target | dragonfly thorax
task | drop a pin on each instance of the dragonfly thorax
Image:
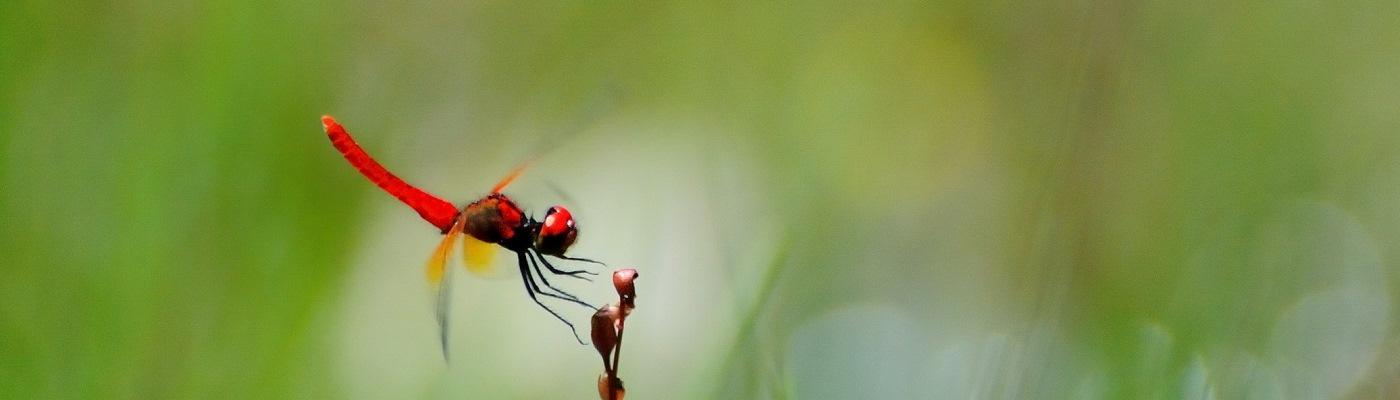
(495, 219)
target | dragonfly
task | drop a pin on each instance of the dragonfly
(491, 221)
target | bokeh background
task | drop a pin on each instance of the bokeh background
(1137, 199)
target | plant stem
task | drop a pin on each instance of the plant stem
(613, 385)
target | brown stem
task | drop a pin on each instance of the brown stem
(613, 382)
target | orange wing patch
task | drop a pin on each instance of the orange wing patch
(479, 257)
(514, 173)
(437, 264)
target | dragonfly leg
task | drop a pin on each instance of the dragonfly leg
(573, 273)
(583, 260)
(546, 284)
(532, 289)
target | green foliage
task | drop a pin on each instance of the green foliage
(1143, 199)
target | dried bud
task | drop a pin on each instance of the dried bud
(603, 386)
(614, 385)
(605, 333)
(622, 281)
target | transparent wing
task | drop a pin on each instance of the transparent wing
(439, 282)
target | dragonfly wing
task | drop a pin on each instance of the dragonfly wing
(478, 257)
(510, 177)
(441, 284)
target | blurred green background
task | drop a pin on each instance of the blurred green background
(1140, 199)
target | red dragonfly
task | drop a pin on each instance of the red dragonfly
(494, 219)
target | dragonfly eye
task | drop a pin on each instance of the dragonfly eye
(557, 232)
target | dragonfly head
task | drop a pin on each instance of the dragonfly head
(557, 232)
